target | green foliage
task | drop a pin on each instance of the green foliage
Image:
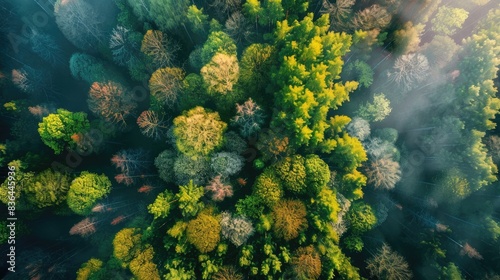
(164, 162)
(267, 187)
(204, 232)
(324, 209)
(198, 132)
(453, 187)
(377, 110)
(361, 217)
(198, 21)
(440, 51)
(450, 272)
(193, 93)
(126, 245)
(289, 218)
(169, 14)
(48, 188)
(85, 190)
(306, 78)
(160, 208)
(189, 199)
(317, 173)
(292, 172)
(359, 71)
(255, 65)
(217, 42)
(187, 169)
(251, 206)
(448, 20)
(90, 69)
(57, 129)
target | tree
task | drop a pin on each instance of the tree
(339, 12)
(306, 263)
(273, 144)
(221, 74)
(268, 188)
(450, 272)
(152, 125)
(186, 169)
(249, 117)
(387, 264)
(453, 187)
(143, 267)
(131, 161)
(493, 145)
(359, 128)
(317, 174)
(251, 206)
(376, 111)
(126, 245)
(409, 70)
(204, 232)
(85, 190)
(48, 188)
(80, 23)
(236, 229)
(307, 79)
(227, 272)
(32, 81)
(84, 228)
(198, 132)
(289, 218)
(383, 173)
(189, 199)
(239, 28)
(226, 164)
(219, 189)
(448, 20)
(169, 14)
(198, 21)
(217, 42)
(164, 162)
(359, 71)
(141, 8)
(159, 48)
(406, 40)
(373, 17)
(234, 143)
(46, 47)
(122, 46)
(361, 217)
(111, 102)
(255, 66)
(440, 51)
(160, 208)
(91, 69)
(166, 84)
(56, 129)
(88, 269)
(292, 172)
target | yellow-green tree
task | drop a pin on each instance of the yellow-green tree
(143, 267)
(204, 232)
(126, 244)
(85, 190)
(88, 269)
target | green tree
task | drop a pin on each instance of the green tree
(217, 42)
(450, 272)
(198, 21)
(292, 172)
(198, 132)
(169, 14)
(204, 232)
(268, 187)
(359, 71)
(255, 66)
(89, 269)
(448, 20)
(48, 188)
(164, 162)
(160, 208)
(307, 78)
(289, 217)
(377, 110)
(91, 69)
(85, 190)
(189, 199)
(317, 174)
(221, 74)
(186, 169)
(361, 217)
(440, 51)
(57, 129)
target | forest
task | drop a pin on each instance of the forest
(249, 139)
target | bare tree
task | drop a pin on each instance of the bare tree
(470, 251)
(387, 264)
(122, 48)
(84, 228)
(383, 173)
(409, 70)
(249, 117)
(31, 81)
(79, 22)
(111, 102)
(166, 84)
(239, 28)
(373, 17)
(46, 47)
(152, 125)
(159, 47)
(339, 12)
(226, 7)
(131, 161)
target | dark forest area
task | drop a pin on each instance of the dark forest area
(249, 139)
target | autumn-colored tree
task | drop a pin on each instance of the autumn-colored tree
(111, 101)
(198, 132)
(48, 188)
(85, 190)
(289, 218)
(221, 73)
(88, 269)
(273, 144)
(406, 40)
(383, 173)
(228, 273)
(84, 228)
(165, 85)
(204, 232)
(56, 129)
(339, 11)
(268, 187)
(159, 48)
(219, 189)
(373, 17)
(387, 264)
(126, 245)
(249, 118)
(143, 267)
(152, 125)
(236, 229)
(306, 263)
